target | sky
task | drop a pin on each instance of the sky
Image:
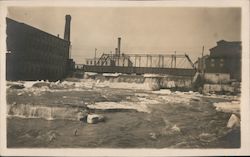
(159, 30)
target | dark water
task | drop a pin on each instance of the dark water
(198, 126)
(172, 123)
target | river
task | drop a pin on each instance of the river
(170, 120)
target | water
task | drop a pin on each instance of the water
(121, 130)
(53, 122)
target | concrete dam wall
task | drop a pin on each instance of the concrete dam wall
(153, 82)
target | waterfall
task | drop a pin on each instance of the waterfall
(45, 112)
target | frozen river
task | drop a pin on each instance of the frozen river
(47, 117)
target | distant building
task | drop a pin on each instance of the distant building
(110, 60)
(117, 59)
(225, 58)
(33, 54)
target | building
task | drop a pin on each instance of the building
(110, 60)
(117, 59)
(33, 54)
(224, 59)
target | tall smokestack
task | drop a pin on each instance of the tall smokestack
(119, 46)
(116, 51)
(67, 28)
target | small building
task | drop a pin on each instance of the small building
(110, 60)
(33, 54)
(224, 59)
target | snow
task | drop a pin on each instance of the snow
(162, 91)
(90, 73)
(228, 107)
(123, 85)
(29, 84)
(151, 75)
(111, 74)
(148, 101)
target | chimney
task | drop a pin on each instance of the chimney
(67, 28)
(116, 51)
(119, 46)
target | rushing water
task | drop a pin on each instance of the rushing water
(126, 130)
(174, 121)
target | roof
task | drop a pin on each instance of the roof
(23, 24)
(226, 48)
(224, 42)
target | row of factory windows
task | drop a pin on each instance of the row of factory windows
(221, 62)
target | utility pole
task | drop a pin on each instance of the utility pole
(202, 60)
(95, 56)
(174, 59)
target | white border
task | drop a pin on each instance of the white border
(245, 107)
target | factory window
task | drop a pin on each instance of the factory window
(90, 62)
(87, 62)
(221, 64)
(212, 65)
(221, 60)
(212, 60)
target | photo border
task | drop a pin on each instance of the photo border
(245, 107)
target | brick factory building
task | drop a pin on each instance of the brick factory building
(33, 54)
(225, 58)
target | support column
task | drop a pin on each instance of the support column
(147, 61)
(159, 61)
(139, 61)
(162, 61)
(172, 61)
(151, 61)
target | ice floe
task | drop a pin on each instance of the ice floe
(140, 107)
(229, 107)
(162, 91)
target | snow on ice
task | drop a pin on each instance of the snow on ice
(229, 107)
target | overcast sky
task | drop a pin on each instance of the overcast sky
(142, 29)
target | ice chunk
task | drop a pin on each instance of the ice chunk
(176, 129)
(94, 118)
(233, 121)
(151, 75)
(111, 74)
(162, 91)
(140, 106)
(229, 107)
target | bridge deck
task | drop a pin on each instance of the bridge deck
(138, 70)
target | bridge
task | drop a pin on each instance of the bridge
(170, 64)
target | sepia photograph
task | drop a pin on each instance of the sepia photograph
(124, 77)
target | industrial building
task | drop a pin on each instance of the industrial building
(33, 54)
(225, 58)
